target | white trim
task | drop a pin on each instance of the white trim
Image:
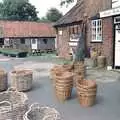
(72, 44)
(96, 30)
(111, 12)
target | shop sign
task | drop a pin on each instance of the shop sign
(111, 12)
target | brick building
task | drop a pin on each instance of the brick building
(102, 29)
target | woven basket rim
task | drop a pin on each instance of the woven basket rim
(87, 83)
(37, 106)
(23, 101)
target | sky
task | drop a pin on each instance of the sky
(44, 5)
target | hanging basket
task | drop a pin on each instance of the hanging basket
(86, 90)
(13, 105)
(36, 112)
(22, 79)
(3, 80)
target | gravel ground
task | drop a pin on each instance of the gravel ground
(108, 97)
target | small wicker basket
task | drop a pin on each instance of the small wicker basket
(36, 112)
(22, 79)
(13, 105)
(3, 80)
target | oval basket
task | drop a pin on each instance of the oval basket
(22, 79)
(13, 105)
(36, 112)
(3, 80)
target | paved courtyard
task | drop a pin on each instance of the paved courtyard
(107, 105)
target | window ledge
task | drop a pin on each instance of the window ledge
(96, 41)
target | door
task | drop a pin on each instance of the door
(117, 45)
(34, 44)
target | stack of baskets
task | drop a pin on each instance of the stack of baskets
(3, 80)
(22, 79)
(62, 78)
(79, 72)
(86, 90)
(36, 112)
(63, 85)
(13, 105)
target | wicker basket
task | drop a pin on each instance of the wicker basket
(63, 85)
(3, 80)
(13, 105)
(36, 112)
(79, 68)
(86, 91)
(22, 79)
(101, 61)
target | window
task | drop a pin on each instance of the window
(33, 41)
(22, 40)
(97, 30)
(45, 41)
(60, 32)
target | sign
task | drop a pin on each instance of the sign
(115, 3)
(111, 12)
(74, 37)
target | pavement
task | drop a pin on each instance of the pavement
(107, 106)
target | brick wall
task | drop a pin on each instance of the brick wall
(62, 42)
(106, 46)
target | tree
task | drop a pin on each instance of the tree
(53, 15)
(63, 2)
(17, 10)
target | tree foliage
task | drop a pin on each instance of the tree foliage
(17, 10)
(53, 15)
(63, 2)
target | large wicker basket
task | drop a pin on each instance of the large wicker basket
(3, 80)
(13, 105)
(22, 79)
(36, 112)
(86, 91)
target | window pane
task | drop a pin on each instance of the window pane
(97, 30)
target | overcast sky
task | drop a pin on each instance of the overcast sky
(43, 6)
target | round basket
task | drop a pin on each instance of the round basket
(101, 61)
(22, 79)
(63, 85)
(36, 112)
(13, 105)
(86, 90)
(3, 80)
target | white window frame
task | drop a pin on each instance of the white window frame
(96, 30)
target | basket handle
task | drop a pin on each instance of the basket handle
(12, 89)
(3, 102)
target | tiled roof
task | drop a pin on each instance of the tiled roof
(84, 7)
(74, 15)
(26, 29)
